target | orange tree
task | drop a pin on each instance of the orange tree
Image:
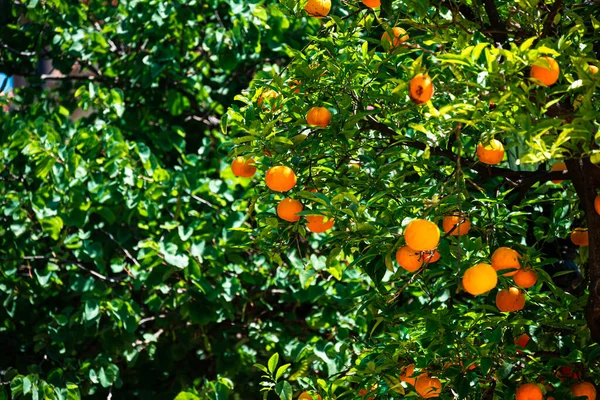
(462, 120)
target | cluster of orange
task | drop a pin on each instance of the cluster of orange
(533, 391)
(282, 179)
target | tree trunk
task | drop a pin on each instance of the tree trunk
(586, 178)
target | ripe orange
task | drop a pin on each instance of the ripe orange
(316, 223)
(318, 116)
(428, 387)
(450, 221)
(545, 70)
(593, 69)
(490, 153)
(310, 396)
(506, 258)
(280, 178)
(318, 8)
(420, 89)
(242, 167)
(364, 392)
(597, 204)
(510, 300)
(522, 340)
(407, 375)
(431, 257)
(584, 389)
(580, 237)
(288, 208)
(525, 278)
(422, 235)
(400, 36)
(529, 391)
(409, 259)
(479, 279)
(372, 3)
(560, 166)
(268, 95)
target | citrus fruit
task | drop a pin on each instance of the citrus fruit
(318, 8)
(288, 208)
(280, 178)
(268, 95)
(597, 204)
(560, 166)
(506, 258)
(428, 387)
(522, 340)
(372, 3)
(525, 278)
(490, 152)
(407, 375)
(431, 257)
(243, 168)
(567, 372)
(317, 223)
(422, 235)
(545, 70)
(318, 116)
(309, 396)
(508, 300)
(593, 69)
(584, 389)
(420, 89)
(580, 237)
(409, 259)
(400, 36)
(451, 221)
(479, 279)
(529, 391)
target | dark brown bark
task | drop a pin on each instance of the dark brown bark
(586, 178)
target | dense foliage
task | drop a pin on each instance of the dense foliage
(385, 160)
(125, 268)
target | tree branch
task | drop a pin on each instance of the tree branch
(550, 18)
(498, 28)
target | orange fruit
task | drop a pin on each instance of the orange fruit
(529, 391)
(372, 3)
(597, 204)
(406, 376)
(268, 95)
(318, 116)
(450, 221)
(522, 340)
(560, 166)
(288, 208)
(506, 258)
(422, 235)
(584, 389)
(318, 8)
(566, 372)
(593, 69)
(400, 36)
(510, 300)
(420, 89)
(580, 237)
(428, 387)
(525, 278)
(280, 178)
(317, 224)
(409, 259)
(243, 168)
(364, 392)
(490, 153)
(545, 70)
(479, 279)
(431, 257)
(310, 396)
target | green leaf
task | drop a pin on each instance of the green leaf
(273, 363)
(284, 390)
(281, 370)
(186, 396)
